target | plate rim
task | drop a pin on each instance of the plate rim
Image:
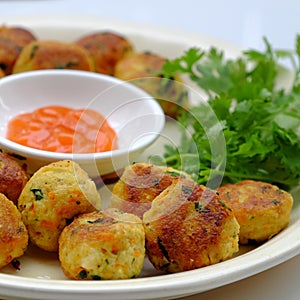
(169, 285)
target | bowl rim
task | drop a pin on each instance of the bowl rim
(26, 151)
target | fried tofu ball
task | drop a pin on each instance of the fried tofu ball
(12, 41)
(39, 55)
(105, 244)
(262, 209)
(105, 49)
(139, 184)
(143, 69)
(13, 233)
(52, 197)
(12, 177)
(188, 227)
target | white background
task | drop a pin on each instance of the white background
(242, 23)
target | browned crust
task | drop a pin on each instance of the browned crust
(262, 209)
(40, 55)
(191, 235)
(13, 233)
(106, 49)
(140, 184)
(12, 177)
(12, 41)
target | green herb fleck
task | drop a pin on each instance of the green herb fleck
(162, 248)
(33, 51)
(186, 190)
(82, 274)
(68, 65)
(224, 205)
(280, 192)
(198, 206)
(155, 181)
(264, 189)
(37, 193)
(99, 220)
(20, 230)
(228, 196)
(276, 202)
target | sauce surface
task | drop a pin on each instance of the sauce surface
(63, 129)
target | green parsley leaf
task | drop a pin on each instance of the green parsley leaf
(248, 129)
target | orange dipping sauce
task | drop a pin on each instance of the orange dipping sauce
(62, 129)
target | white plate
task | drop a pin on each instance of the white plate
(40, 276)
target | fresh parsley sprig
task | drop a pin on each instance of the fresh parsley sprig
(248, 129)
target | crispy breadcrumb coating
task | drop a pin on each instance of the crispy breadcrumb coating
(52, 197)
(188, 227)
(262, 209)
(105, 244)
(139, 184)
(13, 233)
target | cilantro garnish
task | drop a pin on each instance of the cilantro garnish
(248, 128)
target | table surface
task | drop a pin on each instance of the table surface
(242, 23)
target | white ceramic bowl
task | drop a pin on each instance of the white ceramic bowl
(136, 117)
